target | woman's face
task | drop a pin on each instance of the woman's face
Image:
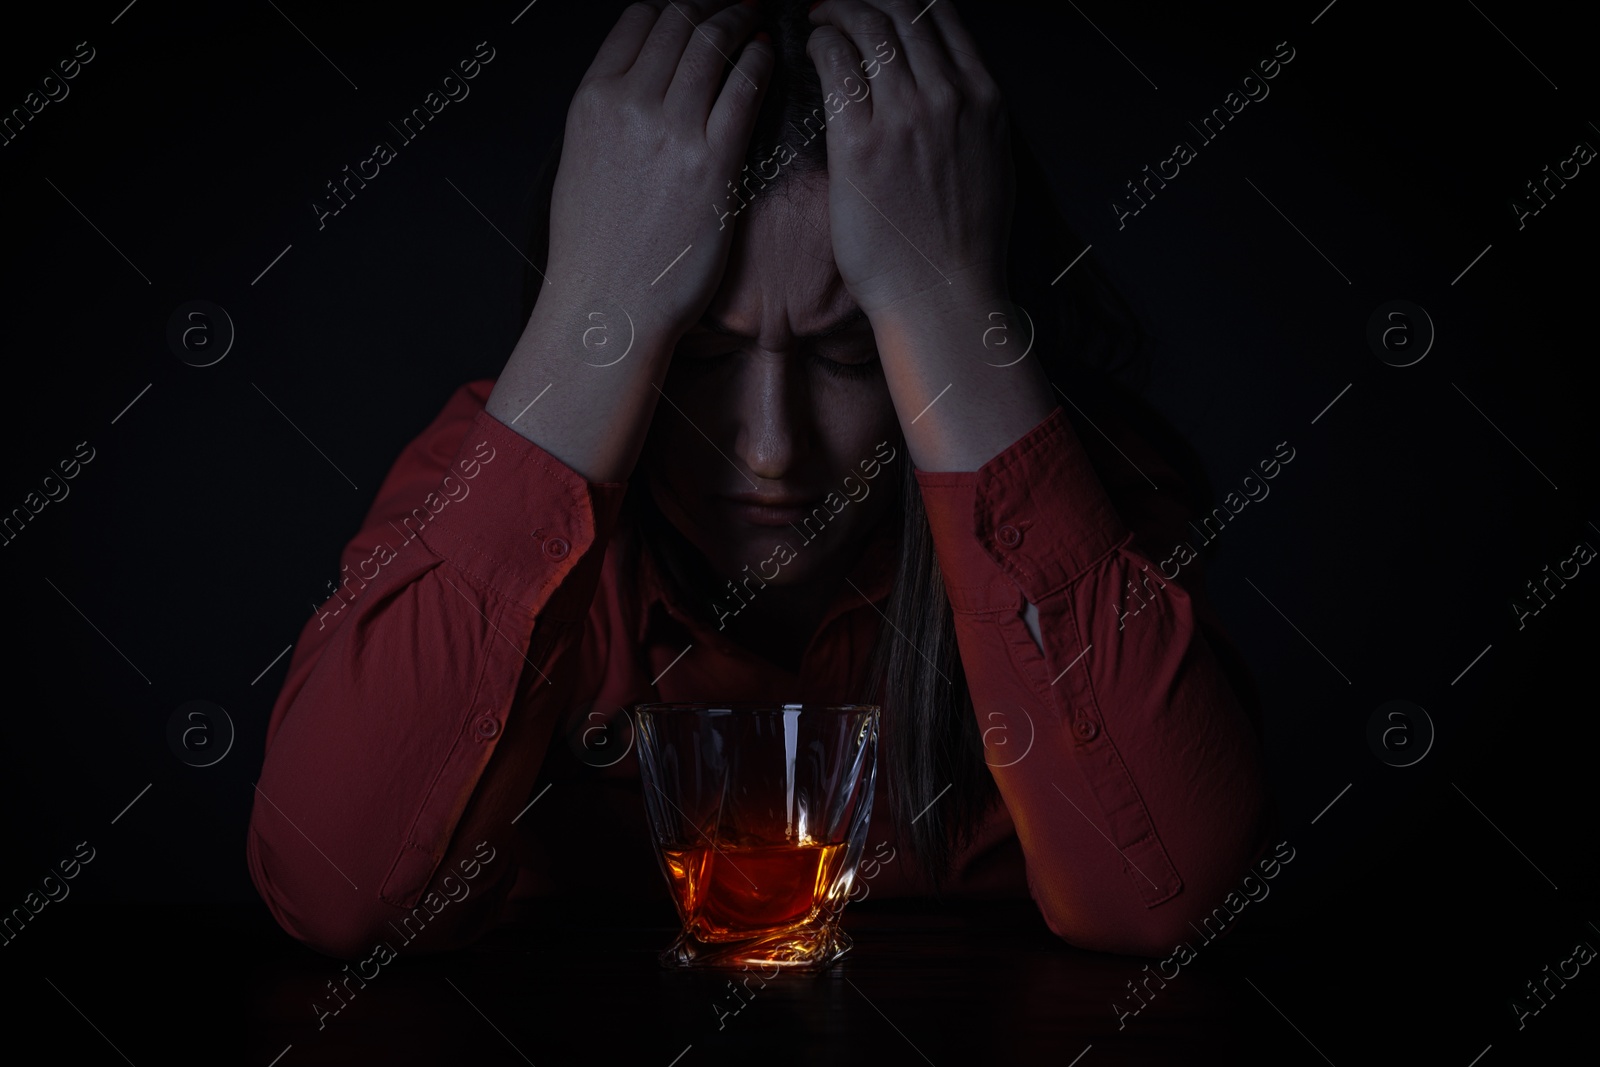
(776, 399)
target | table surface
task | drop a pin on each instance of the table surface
(974, 983)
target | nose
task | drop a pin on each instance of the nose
(772, 416)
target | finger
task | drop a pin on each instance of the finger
(715, 44)
(658, 59)
(959, 44)
(846, 99)
(925, 54)
(733, 119)
(621, 47)
(871, 32)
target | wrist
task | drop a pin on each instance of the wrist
(950, 313)
(597, 325)
(967, 298)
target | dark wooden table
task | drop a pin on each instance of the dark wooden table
(943, 985)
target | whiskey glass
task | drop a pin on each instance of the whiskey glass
(759, 815)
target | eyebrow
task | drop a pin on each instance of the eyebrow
(850, 320)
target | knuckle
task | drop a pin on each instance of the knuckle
(714, 37)
(742, 88)
(586, 102)
(700, 171)
(822, 38)
(876, 24)
(641, 125)
(836, 53)
(629, 111)
(854, 141)
(939, 97)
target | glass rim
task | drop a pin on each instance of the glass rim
(751, 705)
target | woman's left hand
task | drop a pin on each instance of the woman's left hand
(919, 159)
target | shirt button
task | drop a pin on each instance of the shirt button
(556, 548)
(487, 728)
(1010, 536)
(1085, 729)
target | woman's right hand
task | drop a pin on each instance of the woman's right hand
(653, 136)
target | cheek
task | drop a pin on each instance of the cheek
(667, 461)
(705, 393)
(850, 430)
(851, 417)
(875, 421)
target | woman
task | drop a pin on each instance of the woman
(786, 448)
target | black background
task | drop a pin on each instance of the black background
(199, 537)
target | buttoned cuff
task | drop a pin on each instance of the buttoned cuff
(524, 522)
(1034, 518)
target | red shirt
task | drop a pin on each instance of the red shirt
(482, 623)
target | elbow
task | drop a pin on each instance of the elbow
(1110, 919)
(1154, 935)
(1121, 924)
(343, 938)
(326, 913)
(1190, 919)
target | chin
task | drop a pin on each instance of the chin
(774, 558)
(778, 555)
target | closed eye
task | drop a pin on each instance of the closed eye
(857, 370)
(849, 354)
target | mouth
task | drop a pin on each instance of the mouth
(761, 510)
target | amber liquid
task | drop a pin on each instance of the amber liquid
(732, 892)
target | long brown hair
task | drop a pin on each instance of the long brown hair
(932, 732)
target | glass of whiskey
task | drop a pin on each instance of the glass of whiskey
(759, 815)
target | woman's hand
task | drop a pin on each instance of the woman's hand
(919, 162)
(920, 190)
(652, 138)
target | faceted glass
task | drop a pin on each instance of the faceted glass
(759, 815)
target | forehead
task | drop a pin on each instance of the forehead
(780, 281)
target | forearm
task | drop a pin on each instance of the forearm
(951, 360)
(582, 381)
(996, 391)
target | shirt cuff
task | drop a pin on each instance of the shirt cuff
(520, 521)
(1034, 518)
